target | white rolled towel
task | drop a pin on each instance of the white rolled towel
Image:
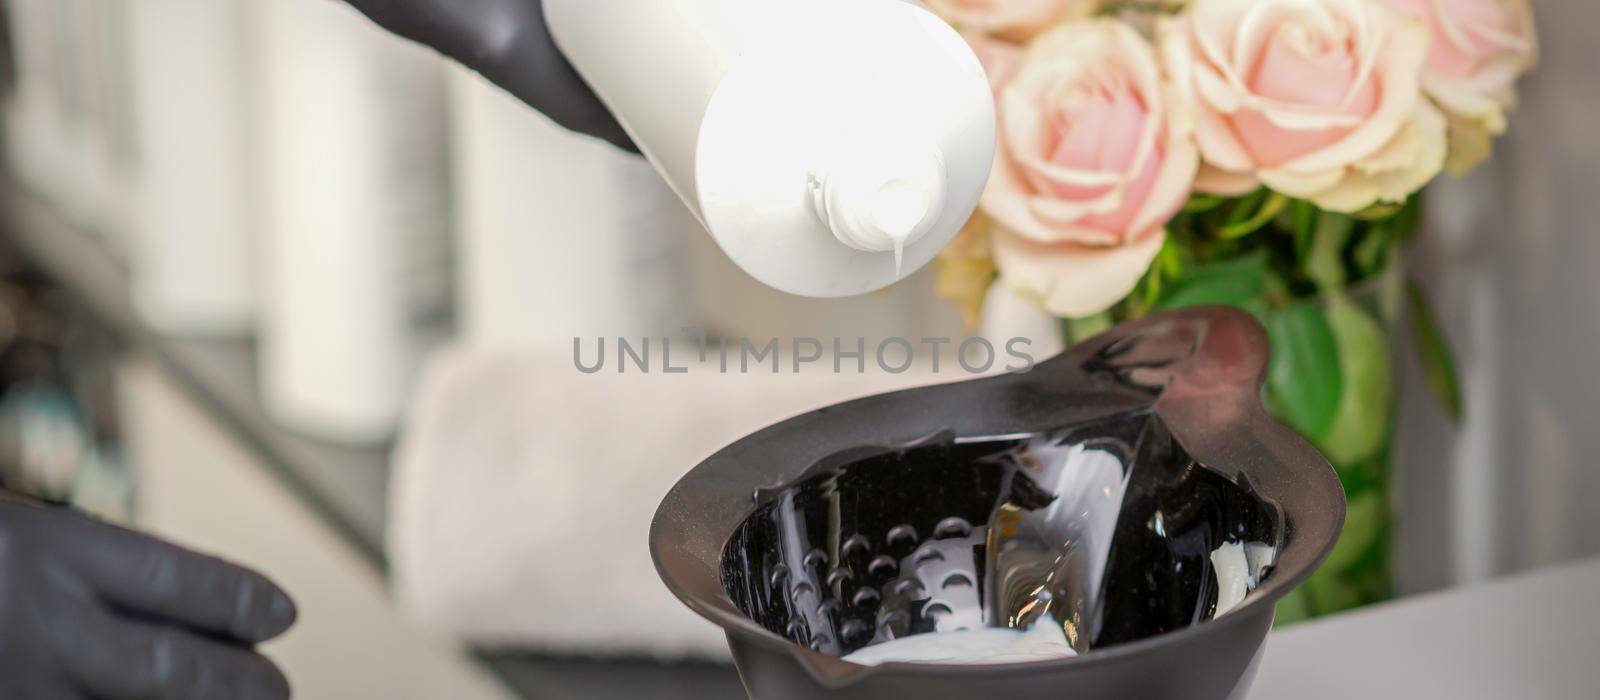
(194, 245)
(354, 215)
(545, 216)
(523, 490)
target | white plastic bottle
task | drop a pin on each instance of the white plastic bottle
(561, 236)
(194, 259)
(108, 209)
(36, 140)
(829, 146)
(80, 87)
(353, 167)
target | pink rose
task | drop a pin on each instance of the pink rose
(1094, 159)
(1480, 48)
(1013, 20)
(1318, 99)
(1000, 60)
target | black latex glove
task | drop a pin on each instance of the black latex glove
(507, 41)
(89, 610)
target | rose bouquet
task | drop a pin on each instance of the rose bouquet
(1264, 154)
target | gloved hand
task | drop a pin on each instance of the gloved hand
(89, 610)
(507, 41)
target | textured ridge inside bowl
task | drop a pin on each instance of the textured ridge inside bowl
(1108, 526)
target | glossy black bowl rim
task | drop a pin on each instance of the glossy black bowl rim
(1210, 399)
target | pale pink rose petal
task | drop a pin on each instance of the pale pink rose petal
(1010, 199)
(1468, 103)
(1305, 96)
(1413, 157)
(1213, 41)
(1425, 141)
(1218, 144)
(1139, 190)
(1099, 131)
(1300, 69)
(1305, 185)
(1013, 20)
(1092, 163)
(1000, 59)
(1223, 96)
(1222, 183)
(1173, 186)
(1271, 145)
(1056, 211)
(1072, 280)
(1479, 50)
(1121, 145)
(1466, 33)
(1079, 152)
(1401, 76)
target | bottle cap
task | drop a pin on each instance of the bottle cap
(834, 169)
(883, 197)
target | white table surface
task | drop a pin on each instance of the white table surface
(1535, 636)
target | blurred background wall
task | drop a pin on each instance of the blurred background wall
(1512, 256)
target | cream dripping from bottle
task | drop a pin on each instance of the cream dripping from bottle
(829, 146)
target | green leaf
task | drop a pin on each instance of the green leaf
(1363, 523)
(1275, 286)
(1325, 263)
(1292, 608)
(1151, 289)
(1214, 291)
(1379, 211)
(1244, 207)
(1080, 329)
(1389, 286)
(1345, 580)
(1234, 282)
(1433, 349)
(1303, 379)
(1409, 218)
(1361, 424)
(1330, 593)
(1267, 212)
(1370, 252)
(1202, 203)
(1170, 259)
(1303, 214)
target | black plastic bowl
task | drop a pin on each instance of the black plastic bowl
(753, 538)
